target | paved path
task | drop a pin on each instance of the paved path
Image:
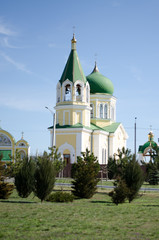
(105, 186)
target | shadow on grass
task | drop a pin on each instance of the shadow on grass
(10, 201)
(151, 205)
(106, 202)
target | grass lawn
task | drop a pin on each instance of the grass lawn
(95, 218)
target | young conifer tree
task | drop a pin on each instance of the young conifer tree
(24, 178)
(119, 194)
(133, 177)
(129, 183)
(45, 174)
(153, 176)
(85, 175)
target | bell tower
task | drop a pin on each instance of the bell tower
(73, 93)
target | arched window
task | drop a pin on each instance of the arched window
(22, 155)
(92, 110)
(78, 90)
(105, 111)
(87, 94)
(105, 156)
(67, 93)
(101, 110)
(21, 144)
(102, 155)
(4, 140)
(112, 112)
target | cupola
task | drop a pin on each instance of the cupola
(99, 83)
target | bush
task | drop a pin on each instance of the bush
(133, 177)
(60, 197)
(5, 188)
(44, 177)
(84, 173)
(153, 177)
(24, 178)
(120, 192)
(129, 183)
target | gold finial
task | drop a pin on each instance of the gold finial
(73, 41)
(150, 136)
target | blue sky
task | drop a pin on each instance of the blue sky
(35, 42)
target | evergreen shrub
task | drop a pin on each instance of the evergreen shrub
(153, 177)
(133, 177)
(85, 175)
(24, 178)
(6, 188)
(60, 196)
(120, 192)
(44, 177)
(128, 183)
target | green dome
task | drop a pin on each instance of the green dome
(151, 144)
(99, 83)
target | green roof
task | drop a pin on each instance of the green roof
(111, 128)
(99, 83)
(78, 125)
(73, 70)
(146, 145)
(95, 127)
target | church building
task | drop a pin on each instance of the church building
(86, 113)
(148, 150)
(8, 146)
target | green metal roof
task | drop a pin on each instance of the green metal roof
(73, 70)
(111, 128)
(78, 125)
(146, 145)
(95, 127)
(99, 83)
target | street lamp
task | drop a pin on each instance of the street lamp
(135, 138)
(54, 123)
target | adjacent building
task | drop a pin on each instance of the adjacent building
(8, 146)
(149, 149)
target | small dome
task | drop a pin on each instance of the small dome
(148, 144)
(99, 83)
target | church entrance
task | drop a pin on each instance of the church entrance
(67, 168)
(66, 158)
